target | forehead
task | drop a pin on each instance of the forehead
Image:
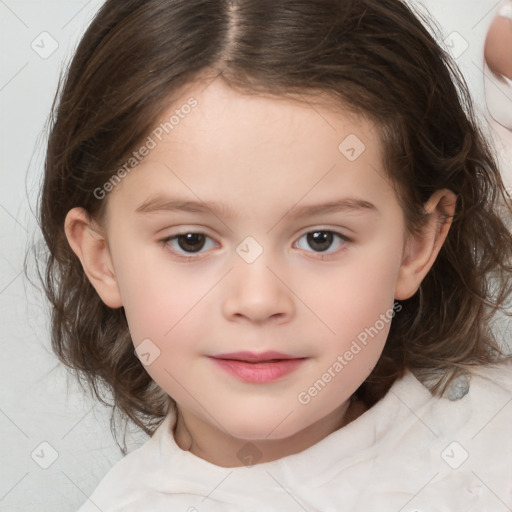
(253, 149)
(226, 116)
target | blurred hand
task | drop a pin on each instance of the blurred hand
(498, 67)
(498, 43)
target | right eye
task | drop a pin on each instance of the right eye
(188, 243)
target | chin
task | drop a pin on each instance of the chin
(262, 428)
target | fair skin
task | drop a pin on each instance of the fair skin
(264, 159)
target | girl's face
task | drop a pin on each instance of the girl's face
(257, 225)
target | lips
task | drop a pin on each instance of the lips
(252, 357)
(258, 368)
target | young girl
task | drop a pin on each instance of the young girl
(278, 236)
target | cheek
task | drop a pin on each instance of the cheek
(156, 294)
(165, 325)
(156, 307)
(353, 297)
(357, 305)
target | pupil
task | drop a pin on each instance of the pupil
(320, 240)
(191, 242)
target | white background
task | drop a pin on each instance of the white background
(38, 403)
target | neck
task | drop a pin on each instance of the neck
(217, 447)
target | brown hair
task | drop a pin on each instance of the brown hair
(374, 57)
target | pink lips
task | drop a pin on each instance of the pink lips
(258, 368)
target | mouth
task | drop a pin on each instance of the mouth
(258, 368)
(253, 357)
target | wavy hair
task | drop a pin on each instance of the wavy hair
(376, 58)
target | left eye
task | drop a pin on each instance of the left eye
(190, 243)
(321, 240)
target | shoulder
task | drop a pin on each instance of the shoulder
(494, 378)
(459, 452)
(128, 479)
(475, 452)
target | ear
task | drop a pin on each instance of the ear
(421, 249)
(90, 245)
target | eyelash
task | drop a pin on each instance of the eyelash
(323, 255)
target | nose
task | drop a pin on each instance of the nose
(256, 293)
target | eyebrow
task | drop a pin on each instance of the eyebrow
(167, 204)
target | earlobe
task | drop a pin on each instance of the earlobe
(421, 249)
(90, 246)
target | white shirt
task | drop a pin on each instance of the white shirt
(410, 452)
